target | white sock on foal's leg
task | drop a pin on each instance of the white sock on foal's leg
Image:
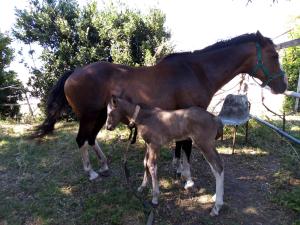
(218, 197)
(145, 179)
(144, 183)
(86, 162)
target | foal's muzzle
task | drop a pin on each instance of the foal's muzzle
(109, 127)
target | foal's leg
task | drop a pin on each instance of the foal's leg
(146, 173)
(152, 166)
(216, 165)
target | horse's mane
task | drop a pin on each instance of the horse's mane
(245, 38)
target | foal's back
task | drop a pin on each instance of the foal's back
(164, 126)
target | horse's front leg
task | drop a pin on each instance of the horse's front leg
(86, 162)
(186, 172)
(102, 158)
(152, 166)
(146, 172)
(183, 167)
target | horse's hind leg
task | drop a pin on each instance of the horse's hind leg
(99, 122)
(83, 146)
(86, 162)
(102, 158)
(216, 165)
(88, 130)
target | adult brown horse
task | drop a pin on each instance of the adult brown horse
(179, 80)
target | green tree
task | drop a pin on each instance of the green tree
(72, 37)
(291, 65)
(10, 91)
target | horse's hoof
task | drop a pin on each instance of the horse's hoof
(104, 173)
(93, 175)
(189, 184)
(154, 204)
(140, 189)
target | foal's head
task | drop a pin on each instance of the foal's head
(115, 113)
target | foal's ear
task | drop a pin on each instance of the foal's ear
(114, 100)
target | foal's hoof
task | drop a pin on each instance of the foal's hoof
(104, 173)
(215, 210)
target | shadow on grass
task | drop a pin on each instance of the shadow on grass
(44, 183)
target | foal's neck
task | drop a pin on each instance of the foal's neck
(129, 110)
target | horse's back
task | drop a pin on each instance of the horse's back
(87, 89)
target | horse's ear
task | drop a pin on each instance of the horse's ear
(260, 38)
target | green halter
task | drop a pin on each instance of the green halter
(265, 70)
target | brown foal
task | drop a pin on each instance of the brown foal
(158, 127)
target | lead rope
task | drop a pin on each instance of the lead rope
(150, 216)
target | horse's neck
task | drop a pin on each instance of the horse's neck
(221, 66)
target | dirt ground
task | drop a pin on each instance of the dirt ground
(248, 177)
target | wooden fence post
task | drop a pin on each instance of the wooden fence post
(298, 90)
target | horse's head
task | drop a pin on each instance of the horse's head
(114, 113)
(266, 65)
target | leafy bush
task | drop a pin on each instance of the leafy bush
(291, 65)
(72, 37)
(10, 91)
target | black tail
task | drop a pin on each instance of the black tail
(56, 104)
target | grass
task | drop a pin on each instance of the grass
(42, 182)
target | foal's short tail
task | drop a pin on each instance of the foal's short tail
(56, 104)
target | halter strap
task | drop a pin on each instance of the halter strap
(260, 65)
(135, 114)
